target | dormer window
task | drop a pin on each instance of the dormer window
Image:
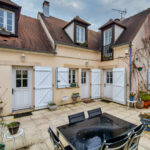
(108, 37)
(80, 34)
(7, 20)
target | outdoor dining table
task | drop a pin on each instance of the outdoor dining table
(93, 131)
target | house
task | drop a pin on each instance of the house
(47, 59)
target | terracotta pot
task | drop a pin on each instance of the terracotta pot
(14, 130)
(140, 104)
(146, 104)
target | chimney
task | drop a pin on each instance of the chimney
(46, 8)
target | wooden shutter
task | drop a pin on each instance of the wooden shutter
(43, 87)
(119, 85)
(62, 77)
(95, 83)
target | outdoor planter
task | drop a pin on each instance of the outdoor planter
(146, 104)
(73, 85)
(145, 119)
(52, 106)
(140, 104)
(75, 96)
(140, 69)
(13, 127)
(132, 96)
(2, 146)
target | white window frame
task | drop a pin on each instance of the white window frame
(107, 36)
(5, 20)
(80, 34)
(71, 76)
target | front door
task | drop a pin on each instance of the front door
(85, 84)
(21, 88)
(108, 84)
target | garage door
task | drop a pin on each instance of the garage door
(43, 87)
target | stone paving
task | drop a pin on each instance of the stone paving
(35, 126)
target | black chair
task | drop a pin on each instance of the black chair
(56, 142)
(136, 135)
(94, 113)
(117, 143)
(76, 118)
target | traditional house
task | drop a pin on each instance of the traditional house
(47, 59)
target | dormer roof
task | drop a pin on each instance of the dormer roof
(78, 19)
(110, 22)
(9, 2)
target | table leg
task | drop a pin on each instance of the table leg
(14, 143)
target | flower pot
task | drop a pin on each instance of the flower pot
(2, 146)
(13, 127)
(75, 97)
(140, 104)
(73, 85)
(131, 98)
(52, 107)
(146, 104)
(140, 69)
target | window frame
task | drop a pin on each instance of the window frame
(108, 37)
(71, 76)
(80, 34)
(5, 20)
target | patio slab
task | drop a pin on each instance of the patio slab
(36, 126)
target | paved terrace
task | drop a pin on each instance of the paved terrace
(35, 126)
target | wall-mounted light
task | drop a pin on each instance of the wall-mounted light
(86, 63)
(22, 57)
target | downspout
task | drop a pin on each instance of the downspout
(130, 68)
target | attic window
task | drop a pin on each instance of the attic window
(107, 37)
(80, 34)
(7, 20)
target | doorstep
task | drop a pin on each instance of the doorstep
(22, 111)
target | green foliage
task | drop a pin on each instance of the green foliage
(51, 104)
(132, 94)
(13, 124)
(75, 93)
(1, 102)
(145, 96)
(85, 44)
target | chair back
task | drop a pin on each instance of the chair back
(136, 135)
(94, 113)
(55, 140)
(116, 143)
(76, 118)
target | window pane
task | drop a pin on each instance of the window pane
(18, 83)
(24, 74)
(111, 81)
(1, 13)
(25, 83)
(1, 25)
(18, 74)
(9, 15)
(9, 28)
(9, 22)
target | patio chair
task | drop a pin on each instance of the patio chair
(94, 113)
(76, 118)
(136, 135)
(56, 142)
(117, 143)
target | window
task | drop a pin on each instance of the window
(21, 78)
(80, 34)
(107, 37)
(7, 20)
(72, 76)
(83, 78)
(109, 77)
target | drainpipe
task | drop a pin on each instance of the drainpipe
(130, 65)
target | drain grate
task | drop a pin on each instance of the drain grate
(22, 115)
(106, 101)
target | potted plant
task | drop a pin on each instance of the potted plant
(2, 146)
(75, 96)
(85, 44)
(140, 104)
(145, 96)
(73, 85)
(52, 106)
(132, 96)
(13, 127)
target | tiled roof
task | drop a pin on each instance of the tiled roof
(55, 27)
(31, 37)
(9, 2)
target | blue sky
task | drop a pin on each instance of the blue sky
(96, 12)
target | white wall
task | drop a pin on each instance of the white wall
(70, 31)
(118, 31)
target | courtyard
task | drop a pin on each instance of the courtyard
(35, 126)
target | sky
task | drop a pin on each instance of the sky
(96, 12)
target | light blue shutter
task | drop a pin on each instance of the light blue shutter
(148, 79)
(119, 85)
(62, 77)
(95, 83)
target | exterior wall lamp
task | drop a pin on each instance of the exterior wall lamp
(22, 57)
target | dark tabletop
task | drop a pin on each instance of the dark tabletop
(103, 127)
